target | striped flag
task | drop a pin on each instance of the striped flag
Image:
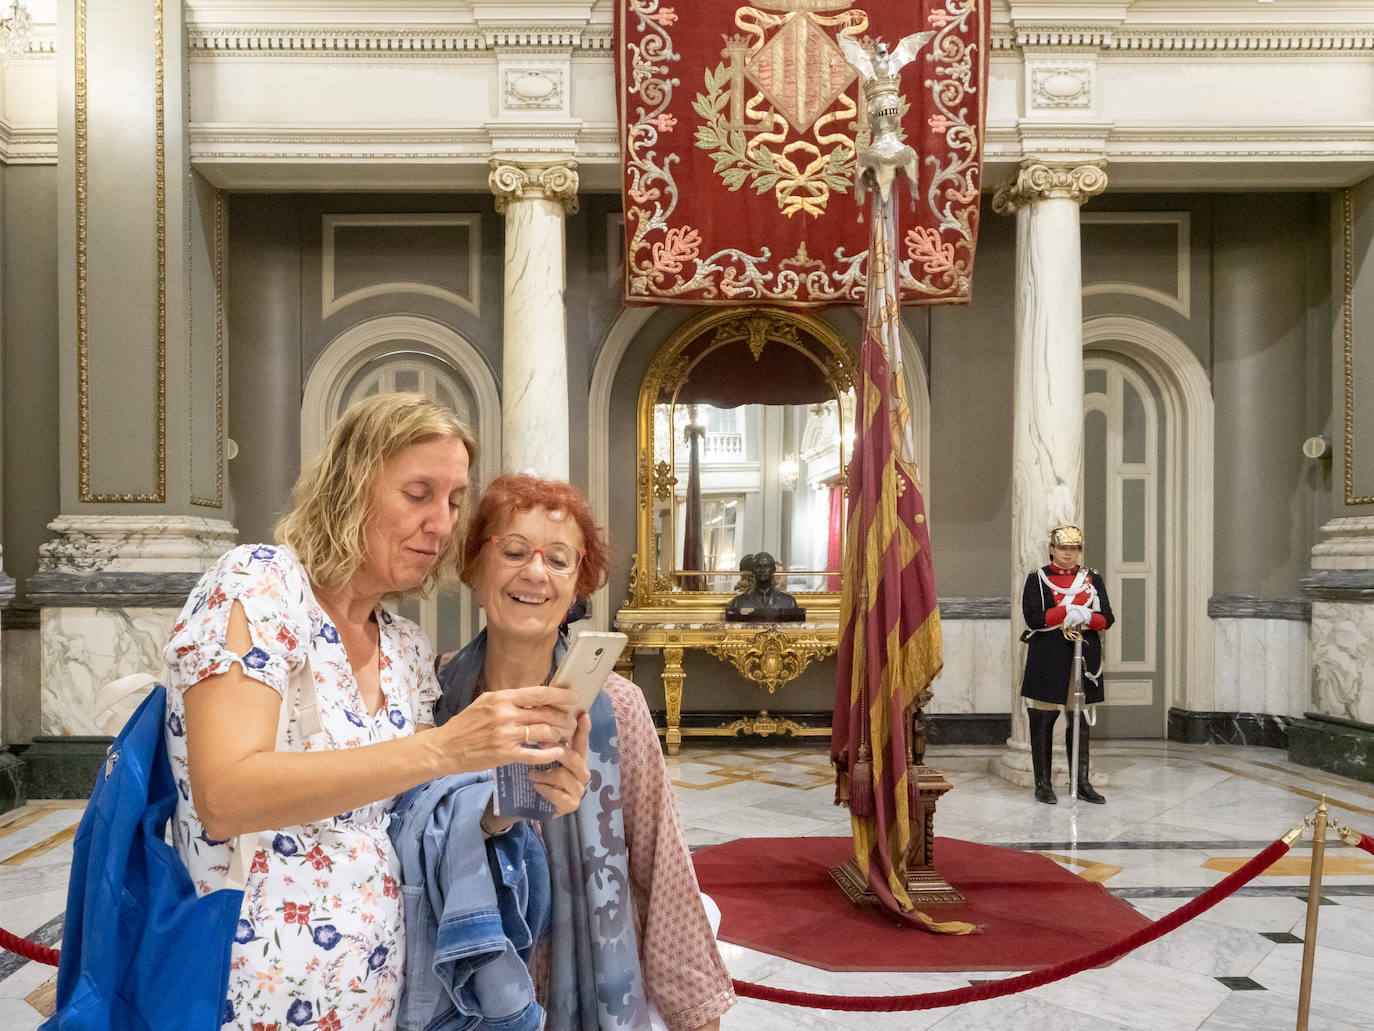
(890, 647)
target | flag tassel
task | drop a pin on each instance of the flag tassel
(861, 785)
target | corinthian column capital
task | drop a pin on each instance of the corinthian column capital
(1038, 180)
(556, 182)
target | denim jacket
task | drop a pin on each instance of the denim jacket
(473, 911)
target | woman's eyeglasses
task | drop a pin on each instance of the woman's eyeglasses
(559, 559)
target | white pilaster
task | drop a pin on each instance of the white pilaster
(1047, 410)
(534, 382)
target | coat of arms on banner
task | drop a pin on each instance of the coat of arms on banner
(741, 123)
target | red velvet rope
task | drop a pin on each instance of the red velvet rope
(930, 1000)
(1366, 843)
(1035, 978)
(27, 949)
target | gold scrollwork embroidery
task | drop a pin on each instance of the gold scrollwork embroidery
(770, 658)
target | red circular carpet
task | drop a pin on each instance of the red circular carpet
(776, 896)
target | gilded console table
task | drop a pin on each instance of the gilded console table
(769, 655)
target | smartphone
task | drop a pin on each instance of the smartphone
(588, 663)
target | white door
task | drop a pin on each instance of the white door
(1123, 455)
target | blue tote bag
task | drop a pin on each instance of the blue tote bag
(140, 950)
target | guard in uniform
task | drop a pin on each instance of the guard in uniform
(1062, 595)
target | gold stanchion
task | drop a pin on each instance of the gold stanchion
(1314, 900)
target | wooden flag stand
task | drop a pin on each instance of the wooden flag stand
(923, 882)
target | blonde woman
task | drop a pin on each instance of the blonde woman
(320, 938)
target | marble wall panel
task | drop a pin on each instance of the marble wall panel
(977, 667)
(1342, 642)
(85, 648)
(1261, 666)
(19, 700)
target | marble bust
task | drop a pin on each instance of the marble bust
(762, 601)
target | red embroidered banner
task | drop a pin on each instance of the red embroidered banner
(739, 126)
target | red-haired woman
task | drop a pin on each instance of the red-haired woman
(629, 928)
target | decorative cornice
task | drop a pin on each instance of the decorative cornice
(230, 40)
(1221, 41)
(27, 145)
(39, 47)
(299, 40)
(1036, 181)
(556, 182)
(437, 142)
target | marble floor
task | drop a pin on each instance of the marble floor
(1178, 819)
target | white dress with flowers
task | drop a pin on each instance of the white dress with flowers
(320, 940)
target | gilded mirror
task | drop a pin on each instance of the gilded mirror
(745, 425)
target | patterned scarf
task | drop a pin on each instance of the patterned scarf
(594, 979)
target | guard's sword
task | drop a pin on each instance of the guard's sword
(1076, 694)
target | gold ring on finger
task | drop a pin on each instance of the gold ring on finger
(527, 735)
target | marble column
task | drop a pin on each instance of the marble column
(1047, 416)
(534, 379)
(141, 357)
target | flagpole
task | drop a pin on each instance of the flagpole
(890, 641)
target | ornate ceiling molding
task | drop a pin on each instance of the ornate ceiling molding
(27, 146)
(1221, 41)
(372, 41)
(297, 41)
(430, 37)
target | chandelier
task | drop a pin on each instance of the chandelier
(16, 24)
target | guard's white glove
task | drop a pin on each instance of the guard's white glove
(1078, 616)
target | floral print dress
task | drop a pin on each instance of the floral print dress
(320, 941)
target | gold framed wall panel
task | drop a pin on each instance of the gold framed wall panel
(217, 243)
(86, 492)
(1348, 344)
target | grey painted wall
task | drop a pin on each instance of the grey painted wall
(263, 327)
(970, 370)
(1263, 343)
(30, 376)
(593, 304)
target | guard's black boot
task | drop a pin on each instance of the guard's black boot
(1042, 751)
(1085, 790)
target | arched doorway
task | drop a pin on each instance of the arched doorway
(409, 353)
(1124, 454)
(1148, 414)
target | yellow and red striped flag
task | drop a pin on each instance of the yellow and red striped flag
(890, 647)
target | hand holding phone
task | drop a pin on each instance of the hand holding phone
(587, 664)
